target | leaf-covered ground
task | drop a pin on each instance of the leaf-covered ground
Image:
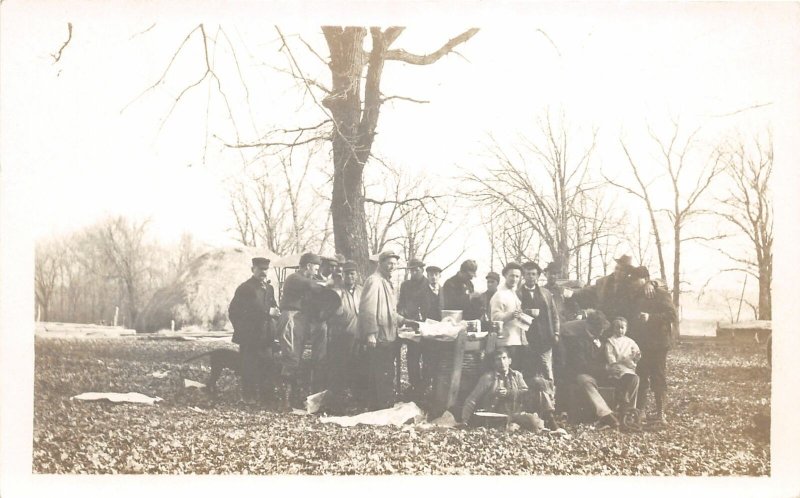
(718, 425)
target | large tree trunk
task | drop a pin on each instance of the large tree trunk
(347, 202)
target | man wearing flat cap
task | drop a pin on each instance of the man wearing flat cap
(295, 326)
(418, 300)
(343, 334)
(652, 329)
(492, 282)
(251, 311)
(458, 290)
(378, 321)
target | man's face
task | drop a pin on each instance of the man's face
(325, 269)
(551, 277)
(531, 276)
(350, 277)
(415, 273)
(491, 284)
(620, 272)
(311, 269)
(469, 274)
(502, 363)
(388, 266)
(638, 283)
(336, 272)
(620, 328)
(512, 278)
(260, 272)
(433, 277)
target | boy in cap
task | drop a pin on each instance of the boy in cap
(412, 303)
(251, 311)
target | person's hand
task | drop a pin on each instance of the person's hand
(502, 392)
(556, 338)
(274, 312)
(516, 313)
(616, 369)
(372, 341)
(649, 290)
(644, 316)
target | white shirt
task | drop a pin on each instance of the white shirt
(503, 305)
(619, 349)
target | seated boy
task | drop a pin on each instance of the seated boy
(622, 354)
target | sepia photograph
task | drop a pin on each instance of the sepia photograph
(400, 240)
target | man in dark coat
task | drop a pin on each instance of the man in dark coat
(413, 302)
(585, 365)
(457, 291)
(542, 335)
(297, 325)
(251, 309)
(651, 328)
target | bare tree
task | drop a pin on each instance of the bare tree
(543, 185)
(48, 268)
(748, 209)
(350, 106)
(688, 179)
(277, 207)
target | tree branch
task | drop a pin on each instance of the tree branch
(422, 60)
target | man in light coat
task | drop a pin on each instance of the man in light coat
(378, 321)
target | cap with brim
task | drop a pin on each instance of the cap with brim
(310, 258)
(493, 275)
(415, 263)
(349, 266)
(433, 269)
(386, 255)
(260, 262)
(552, 267)
(640, 272)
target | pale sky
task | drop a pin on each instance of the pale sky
(615, 67)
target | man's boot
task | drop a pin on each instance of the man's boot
(659, 417)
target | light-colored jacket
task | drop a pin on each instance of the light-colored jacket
(377, 310)
(346, 320)
(503, 305)
(622, 351)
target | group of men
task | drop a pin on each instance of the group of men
(352, 331)
(565, 358)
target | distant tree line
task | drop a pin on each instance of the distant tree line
(84, 276)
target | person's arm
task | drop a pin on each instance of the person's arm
(480, 390)
(665, 309)
(367, 311)
(633, 358)
(500, 309)
(235, 309)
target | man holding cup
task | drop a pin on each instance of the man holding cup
(542, 335)
(651, 328)
(251, 311)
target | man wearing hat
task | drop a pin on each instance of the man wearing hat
(458, 290)
(251, 309)
(412, 303)
(542, 334)
(651, 328)
(612, 294)
(343, 333)
(294, 325)
(378, 321)
(492, 282)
